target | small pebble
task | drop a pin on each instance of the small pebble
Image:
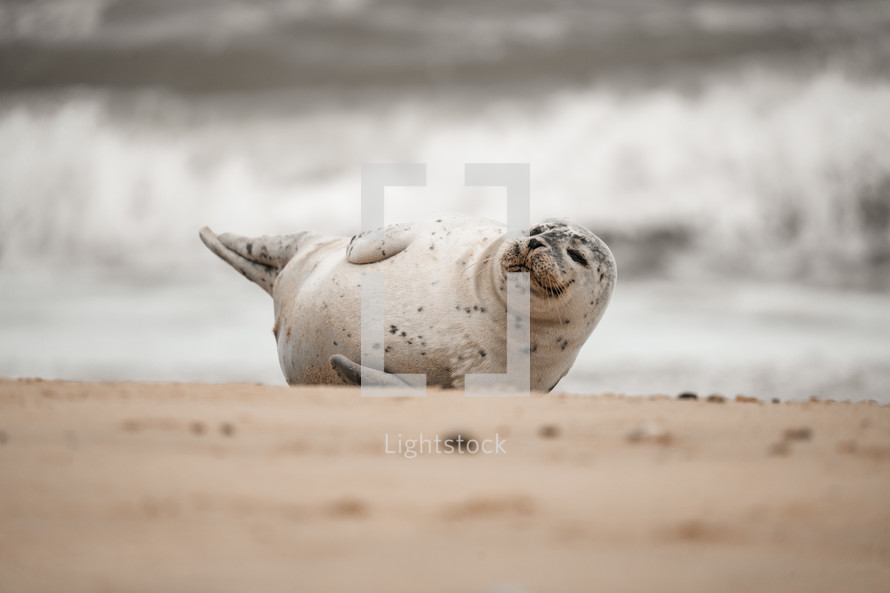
(461, 444)
(227, 429)
(780, 448)
(349, 507)
(687, 395)
(650, 432)
(776, 400)
(846, 447)
(746, 399)
(548, 431)
(716, 398)
(798, 434)
(197, 428)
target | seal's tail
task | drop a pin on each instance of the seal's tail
(259, 260)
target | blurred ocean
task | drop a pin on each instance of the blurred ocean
(735, 155)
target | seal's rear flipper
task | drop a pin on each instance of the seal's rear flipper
(259, 260)
(351, 373)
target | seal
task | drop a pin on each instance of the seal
(445, 297)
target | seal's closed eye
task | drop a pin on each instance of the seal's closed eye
(576, 255)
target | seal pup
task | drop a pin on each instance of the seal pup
(445, 297)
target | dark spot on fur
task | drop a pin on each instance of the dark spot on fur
(410, 343)
(419, 309)
(566, 321)
(250, 249)
(335, 343)
(467, 309)
(564, 344)
(404, 335)
(482, 309)
(388, 349)
(393, 329)
(475, 307)
(535, 348)
(423, 353)
(482, 353)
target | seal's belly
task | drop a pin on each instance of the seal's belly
(434, 323)
(438, 318)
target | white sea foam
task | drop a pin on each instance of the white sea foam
(760, 171)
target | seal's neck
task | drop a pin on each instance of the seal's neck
(489, 280)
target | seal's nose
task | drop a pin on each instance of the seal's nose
(534, 243)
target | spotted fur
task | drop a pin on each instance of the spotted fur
(445, 297)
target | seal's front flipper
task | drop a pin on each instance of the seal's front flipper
(377, 245)
(259, 259)
(351, 373)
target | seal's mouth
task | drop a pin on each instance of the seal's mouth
(553, 290)
(535, 264)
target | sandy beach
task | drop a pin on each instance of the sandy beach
(200, 487)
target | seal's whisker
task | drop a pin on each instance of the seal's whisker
(556, 305)
(484, 260)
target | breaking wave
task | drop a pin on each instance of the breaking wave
(779, 176)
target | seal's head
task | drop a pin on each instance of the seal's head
(571, 269)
